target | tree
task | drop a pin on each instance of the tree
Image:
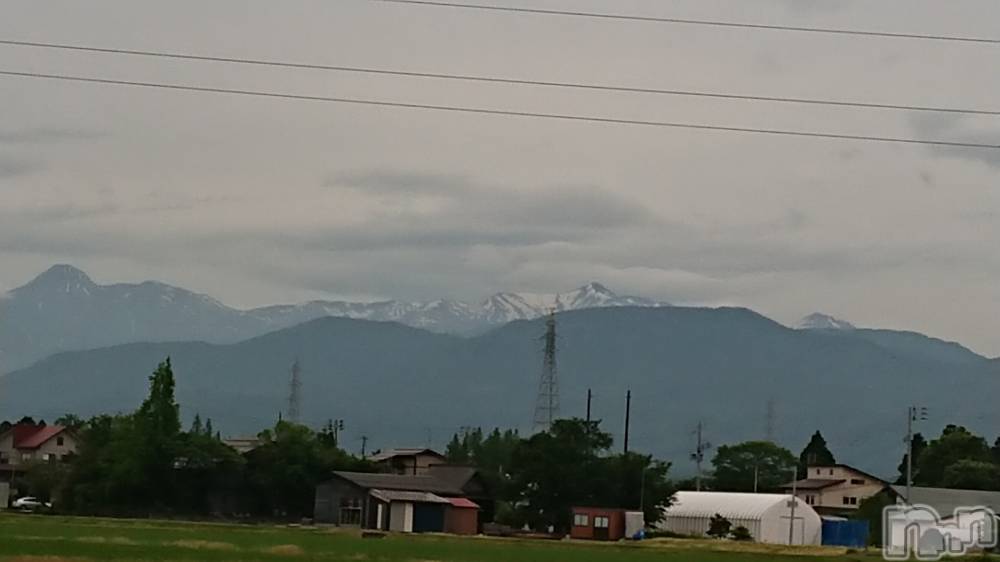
(972, 475)
(955, 444)
(737, 467)
(196, 426)
(718, 527)
(633, 480)
(815, 453)
(919, 444)
(871, 510)
(282, 473)
(69, 420)
(568, 465)
(556, 469)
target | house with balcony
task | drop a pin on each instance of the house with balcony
(835, 489)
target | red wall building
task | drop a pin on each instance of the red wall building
(598, 523)
(461, 517)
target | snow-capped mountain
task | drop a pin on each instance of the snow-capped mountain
(63, 310)
(820, 321)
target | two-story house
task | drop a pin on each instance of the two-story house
(24, 443)
(835, 488)
(407, 461)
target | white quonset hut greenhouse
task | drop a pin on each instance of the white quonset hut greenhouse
(767, 516)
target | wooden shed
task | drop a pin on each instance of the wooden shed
(461, 517)
(598, 523)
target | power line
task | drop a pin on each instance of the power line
(713, 23)
(505, 112)
(497, 79)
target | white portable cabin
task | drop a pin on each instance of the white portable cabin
(767, 516)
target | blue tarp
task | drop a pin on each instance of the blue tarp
(852, 534)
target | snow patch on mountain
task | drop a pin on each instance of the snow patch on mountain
(820, 321)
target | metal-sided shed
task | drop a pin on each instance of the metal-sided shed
(767, 516)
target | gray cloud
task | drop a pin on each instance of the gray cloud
(385, 182)
(43, 136)
(962, 129)
(11, 167)
(256, 200)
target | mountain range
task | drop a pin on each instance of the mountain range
(413, 373)
(64, 310)
(404, 386)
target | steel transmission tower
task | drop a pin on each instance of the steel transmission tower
(547, 403)
(769, 421)
(294, 393)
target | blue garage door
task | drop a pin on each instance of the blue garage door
(428, 518)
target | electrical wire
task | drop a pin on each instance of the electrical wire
(500, 79)
(503, 112)
(713, 23)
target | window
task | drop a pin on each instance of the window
(857, 481)
(25, 457)
(831, 472)
(850, 500)
(581, 520)
(810, 500)
(350, 511)
(817, 472)
(601, 522)
(59, 441)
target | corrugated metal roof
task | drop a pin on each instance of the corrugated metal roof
(403, 452)
(730, 505)
(945, 500)
(420, 482)
(407, 496)
(463, 503)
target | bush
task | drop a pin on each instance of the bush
(741, 533)
(719, 527)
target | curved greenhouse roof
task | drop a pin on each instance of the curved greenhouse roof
(729, 504)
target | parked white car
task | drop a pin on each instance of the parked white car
(28, 503)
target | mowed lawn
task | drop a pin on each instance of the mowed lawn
(30, 538)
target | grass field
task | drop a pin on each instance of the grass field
(28, 538)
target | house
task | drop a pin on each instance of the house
(25, 442)
(766, 516)
(243, 445)
(407, 460)
(443, 499)
(835, 489)
(605, 524)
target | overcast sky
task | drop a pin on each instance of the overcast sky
(257, 201)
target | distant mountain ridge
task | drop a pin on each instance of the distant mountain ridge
(397, 384)
(63, 309)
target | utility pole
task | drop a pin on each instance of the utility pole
(364, 445)
(338, 426)
(791, 505)
(698, 456)
(590, 397)
(628, 415)
(913, 413)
